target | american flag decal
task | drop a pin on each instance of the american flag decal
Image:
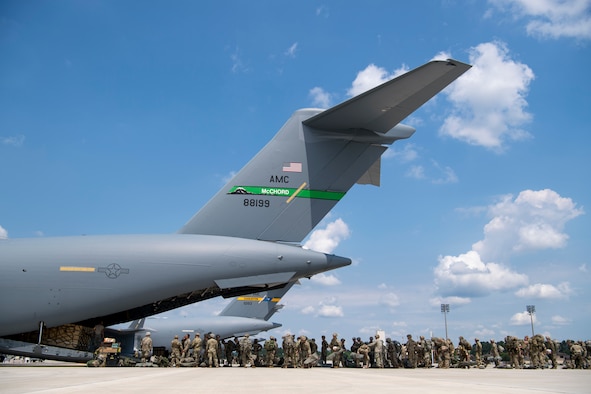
(292, 167)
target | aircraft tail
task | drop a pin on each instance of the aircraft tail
(316, 157)
(261, 305)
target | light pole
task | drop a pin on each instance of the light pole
(531, 309)
(445, 310)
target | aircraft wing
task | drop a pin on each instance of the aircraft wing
(383, 107)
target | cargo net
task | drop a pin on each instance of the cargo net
(70, 336)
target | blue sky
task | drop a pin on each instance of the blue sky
(121, 117)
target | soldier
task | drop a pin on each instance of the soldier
(354, 348)
(304, 350)
(394, 348)
(256, 353)
(411, 350)
(448, 350)
(270, 349)
(246, 351)
(478, 352)
(186, 345)
(437, 343)
(212, 351)
(378, 348)
(363, 350)
(220, 351)
(175, 356)
(494, 349)
(464, 348)
(335, 346)
(323, 350)
(537, 351)
(197, 345)
(146, 347)
(238, 353)
(576, 354)
(426, 347)
(551, 349)
(313, 353)
(288, 350)
(228, 348)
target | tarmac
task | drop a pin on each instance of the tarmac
(48, 377)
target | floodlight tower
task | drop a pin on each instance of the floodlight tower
(445, 310)
(531, 309)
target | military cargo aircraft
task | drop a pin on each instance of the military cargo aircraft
(245, 239)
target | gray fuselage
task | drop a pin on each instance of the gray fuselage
(71, 279)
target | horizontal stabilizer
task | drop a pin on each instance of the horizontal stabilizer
(383, 107)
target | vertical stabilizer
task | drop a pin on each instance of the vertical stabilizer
(316, 157)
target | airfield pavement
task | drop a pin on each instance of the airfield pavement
(62, 378)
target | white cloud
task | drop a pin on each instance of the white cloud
(326, 240)
(467, 275)
(522, 319)
(407, 154)
(560, 321)
(291, 51)
(445, 174)
(435, 173)
(540, 290)
(371, 77)
(326, 279)
(320, 98)
(551, 18)
(451, 300)
(308, 310)
(16, 140)
(390, 300)
(3, 233)
(330, 311)
(489, 105)
(583, 268)
(484, 332)
(534, 220)
(416, 172)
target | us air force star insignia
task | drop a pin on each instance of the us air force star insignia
(113, 270)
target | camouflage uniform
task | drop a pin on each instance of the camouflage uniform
(537, 351)
(464, 350)
(212, 351)
(304, 350)
(551, 347)
(288, 350)
(196, 345)
(246, 351)
(378, 348)
(576, 354)
(411, 349)
(494, 348)
(323, 350)
(270, 348)
(335, 346)
(146, 347)
(478, 352)
(186, 344)
(363, 350)
(175, 355)
(448, 350)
